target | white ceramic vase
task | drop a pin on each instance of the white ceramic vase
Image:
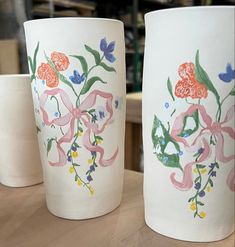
(19, 153)
(77, 69)
(188, 122)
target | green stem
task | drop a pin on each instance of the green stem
(94, 66)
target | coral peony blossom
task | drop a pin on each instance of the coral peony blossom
(45, 72)
(188, 86)
(60, 60)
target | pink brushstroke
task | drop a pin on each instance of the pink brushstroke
(78, 113)
(218, 129)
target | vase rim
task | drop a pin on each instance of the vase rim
(14, 75)
(55, 19)
(189, 8)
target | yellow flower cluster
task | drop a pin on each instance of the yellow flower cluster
(74, 154)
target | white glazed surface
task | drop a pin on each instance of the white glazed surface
(19, 153)
(172, 38)
(69, 35)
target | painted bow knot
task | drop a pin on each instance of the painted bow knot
(211, 128)
(79, 112)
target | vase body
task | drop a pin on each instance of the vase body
(19, 153)
(78, 87)
(188, 122)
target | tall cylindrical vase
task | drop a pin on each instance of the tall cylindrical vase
(77, 70)
(188, 122)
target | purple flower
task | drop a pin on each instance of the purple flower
(74, 148)
(202, 193)
(101, 113)
(69, 158)
(93, 153)
(212, 165)
(107, 49)
(89, 178)
(56, 114)
(200, 150)
(76, 78)
(118, 102)
(92, 168)
(213, 174)
(197, 186)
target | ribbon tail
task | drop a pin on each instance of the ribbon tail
(62, 157)
(231, 180)
(219, 149)
(187, 181)
(88, 145)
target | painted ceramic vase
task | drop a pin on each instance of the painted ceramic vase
(188, 122)
(19, 154)
(77, 68)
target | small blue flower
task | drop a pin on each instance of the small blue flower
(180, 153)
(69, 158)
(202, 193)
(76, 78)
(197, 186)
(43, 82)
(35, 89)
(229, 75)
(166, 105)
(89, 178)
(186, 135)
(213, 174)
(165, 160)
(163, 142)
(56, 114)
(107, 49)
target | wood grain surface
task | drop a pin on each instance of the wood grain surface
(26, 222)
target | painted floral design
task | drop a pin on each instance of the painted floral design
(83, 121)
(203, 139)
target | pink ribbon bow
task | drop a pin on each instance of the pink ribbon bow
(201, 142)
(78, 113)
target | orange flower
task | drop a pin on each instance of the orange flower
(45, 72)
(188, 86)
(60, 60)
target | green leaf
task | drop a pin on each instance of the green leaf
(203, 77)
(200, 166)
(200, 203)
(94, 53)
(76, 145)
(99, 138)
(161, 142)
(49, 145)
(232, 92)
(187, 131)
(75, 164)
(35, 58)
(89, 83)
(76, 178)
(169, 87)
(30, 63)
(196, 180)
(210, 182)
(83, 63)
(106, 67)
(32, 77)
(38, 129)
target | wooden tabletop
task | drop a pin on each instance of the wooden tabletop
(26, 222)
